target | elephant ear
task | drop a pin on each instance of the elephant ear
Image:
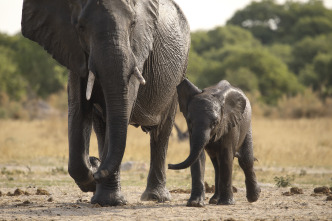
(186, 91)
(233, 106)
(147, 14)
(48, 22)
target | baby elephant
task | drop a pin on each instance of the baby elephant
(219, 120)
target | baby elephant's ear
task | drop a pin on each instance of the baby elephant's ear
(234, 104)
(186, 90)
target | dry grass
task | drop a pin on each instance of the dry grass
(279, 144)
(303, 142)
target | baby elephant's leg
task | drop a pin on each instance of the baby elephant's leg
(225, 161)
(197, 187)
(246, 161)
(214, 199)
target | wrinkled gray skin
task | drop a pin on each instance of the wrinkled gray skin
(120, 42)
(219, 121)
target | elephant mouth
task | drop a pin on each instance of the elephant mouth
(91, 80)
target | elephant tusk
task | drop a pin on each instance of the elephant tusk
(139, 76)
(89, 86)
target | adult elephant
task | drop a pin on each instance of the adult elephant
(126, 58)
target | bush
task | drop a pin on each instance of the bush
(304, 105)
(283, 181)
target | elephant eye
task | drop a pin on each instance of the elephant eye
(80, 27)
(133, 23)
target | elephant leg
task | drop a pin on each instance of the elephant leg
(108, 192)
(99, 126)
(159, 136)
(246, 161)
(214, 199)
(225, 161)
(80, 166)
(197, 170)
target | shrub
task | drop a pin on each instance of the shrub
(304, 105)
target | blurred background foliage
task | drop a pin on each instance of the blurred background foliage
(279, 54)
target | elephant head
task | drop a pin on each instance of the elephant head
(98, 40)
(210, 114)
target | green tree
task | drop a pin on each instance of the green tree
(44, 74)
(305, 51)
(11, 82)
(41, 74)
(285, 23)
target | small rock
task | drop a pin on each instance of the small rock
(50, 199)
(25, 203)
(18, 192)
(329, 198)
(0, 193)
(322, 189)
(287, 194)
(296, 190)
(42, 192)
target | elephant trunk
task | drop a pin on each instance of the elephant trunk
(198, 140)
(113, 74)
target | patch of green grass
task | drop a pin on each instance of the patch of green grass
(284, 181)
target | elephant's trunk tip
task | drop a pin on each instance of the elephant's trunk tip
(171, 167)
(177, 166)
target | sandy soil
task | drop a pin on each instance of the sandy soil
(69, 203)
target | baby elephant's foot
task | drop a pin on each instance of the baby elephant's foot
(159, 194)
(196, 201)
(253, 192)
(214, 199)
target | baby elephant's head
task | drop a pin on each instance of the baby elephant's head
(210, 114)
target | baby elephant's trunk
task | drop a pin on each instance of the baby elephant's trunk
(198, 140)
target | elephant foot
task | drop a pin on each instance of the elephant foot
(253, 192)
(89, 184)
(159, 194)
(107, 197)
(226, 201)
(214, 199)
(196, 201)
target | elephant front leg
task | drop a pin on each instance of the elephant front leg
(80, 166)
(108, 192)
(225, 161)
(197, 187)
(214, 199)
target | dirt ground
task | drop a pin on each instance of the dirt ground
(69, 203)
